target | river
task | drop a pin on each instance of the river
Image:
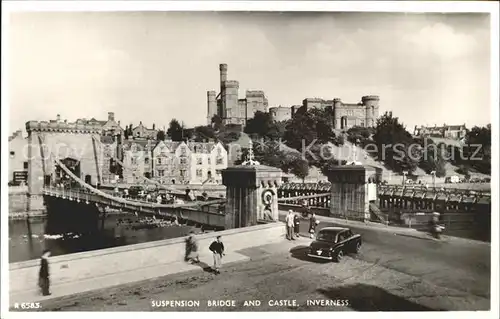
(119, 230)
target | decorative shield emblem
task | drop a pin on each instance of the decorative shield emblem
(267, 197)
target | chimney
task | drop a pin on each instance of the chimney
(111, 116)
(58, 118)
(154, 126)
(118, 123)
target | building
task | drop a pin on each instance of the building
(143, 132)
(346, 115)
(227, 104)
(169, 162)
(110, 127)
(281, 113)
(456, 132)
(18, 158)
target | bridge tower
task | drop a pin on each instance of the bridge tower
(251, 193)
(352, 191)
(75, 142)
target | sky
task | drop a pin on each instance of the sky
(154, 66)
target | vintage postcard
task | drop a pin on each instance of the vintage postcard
(250, 157)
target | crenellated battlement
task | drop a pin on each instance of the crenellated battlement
(231, 84)
(254, 93)
(54, 126)
(211, 93)
(370, 98)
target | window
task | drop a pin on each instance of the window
(146, 160)
(183, 151)
(158, 160)
(219, 160)
(183, 160)
(25, 165)
(133, 160)
(12, 153)
(161, 173)
(183, 173)
(199, 173)
(199, 161)
(208, 160)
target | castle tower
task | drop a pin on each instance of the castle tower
(371, 103)
(211, 106)
(230, 99)
(337, 104)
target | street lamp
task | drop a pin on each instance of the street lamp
(433, 173)
(404, 177)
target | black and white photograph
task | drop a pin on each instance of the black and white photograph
(252, 156)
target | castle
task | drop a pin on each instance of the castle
(346, 115)
(229, 107)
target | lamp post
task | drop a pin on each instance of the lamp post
(404, 177)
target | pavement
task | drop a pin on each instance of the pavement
(391, 272)
(80, 273)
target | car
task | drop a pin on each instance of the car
(332, 243)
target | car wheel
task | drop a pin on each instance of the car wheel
(339, 256)
(358, 247)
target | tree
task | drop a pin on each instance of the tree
(160, 136)
(260, 124)
(314, 126)
(393, 144)
(300, 168)
(217, 122)
(203, 133)
(479, 139)
(175, 131)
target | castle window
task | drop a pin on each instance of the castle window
(208, 160)
(12, 153)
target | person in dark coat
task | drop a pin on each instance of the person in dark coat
(313, 222)
(217, 248)
(296, 225)
(44, 274)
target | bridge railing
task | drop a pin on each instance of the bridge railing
(87, 196)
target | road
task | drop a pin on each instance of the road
(392, 272)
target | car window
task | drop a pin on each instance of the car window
(348, 234)
(326, 236)
(342, 236)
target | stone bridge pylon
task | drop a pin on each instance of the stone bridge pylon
(70, 142)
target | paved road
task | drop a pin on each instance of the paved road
(392, 272)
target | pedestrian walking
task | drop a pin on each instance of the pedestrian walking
(313, 222)
(217, 248)
(296, 226)
(192, 250)
(289, 225)
(44, 274)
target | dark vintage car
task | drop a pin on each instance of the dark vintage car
(332, 243)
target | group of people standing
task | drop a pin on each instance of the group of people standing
(293, 225)
(216, 247)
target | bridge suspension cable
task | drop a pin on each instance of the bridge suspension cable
(124, 201)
